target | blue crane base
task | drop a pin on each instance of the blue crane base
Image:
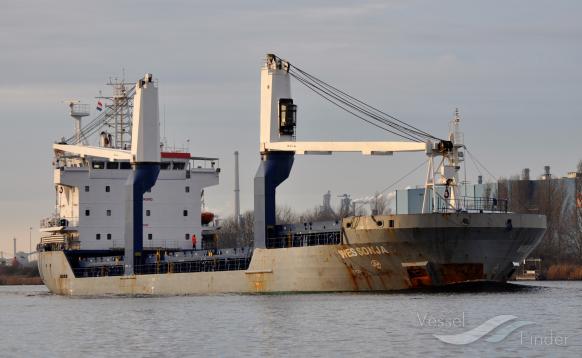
(274, 169)
(142, 178)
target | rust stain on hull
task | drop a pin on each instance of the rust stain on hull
(462, 272)
(419, 276)
(372, 267)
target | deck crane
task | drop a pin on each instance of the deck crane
(278, 144)
(145, 160)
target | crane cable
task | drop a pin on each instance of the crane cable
(356, 107)
(364, 107)
(342, 103)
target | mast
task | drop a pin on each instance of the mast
(442, 177)
(120, 112)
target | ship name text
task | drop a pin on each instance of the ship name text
(363, 251)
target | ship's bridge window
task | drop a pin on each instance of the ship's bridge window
(108, 236)
(107, 188)
(125, 165)
(150, 236)
(148, 212)
(112, 165)
(87, 212)
(108, 212)
(179, 165)
(86, 188)
(98, 165)
(165, 165)
(98, 236)
(185, 213)
(187, 189)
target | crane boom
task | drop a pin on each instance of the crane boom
(278, 121)
(366, 148)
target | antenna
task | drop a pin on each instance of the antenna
(78, 110)
(119, 114)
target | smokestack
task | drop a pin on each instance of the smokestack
(14, 247)
(525, 174)
(327, 201)
(547, 174)
(236, 191)
(480, 179)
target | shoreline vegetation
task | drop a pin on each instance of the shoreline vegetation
(564, 272)
(10, 275)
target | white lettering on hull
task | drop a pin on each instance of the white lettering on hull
(363, 251)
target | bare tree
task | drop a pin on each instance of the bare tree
(551, 201)
(577, 216)
(230, 234)
(285, 215)
(317, 214)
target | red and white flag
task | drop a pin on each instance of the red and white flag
(99, 106)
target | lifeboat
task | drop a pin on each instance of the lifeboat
(207, 217)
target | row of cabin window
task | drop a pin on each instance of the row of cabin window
(127, 165)
(150, 237)
(148, 212)
(98, 236)
(108, 189)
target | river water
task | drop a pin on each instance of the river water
(35, 323)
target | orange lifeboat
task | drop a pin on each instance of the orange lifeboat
(207, 217)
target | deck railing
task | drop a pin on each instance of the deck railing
(307, 239)
(56, 221)
(471, 204)
(165, 267)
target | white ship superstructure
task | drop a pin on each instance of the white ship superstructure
(90, 205)
(90, 202)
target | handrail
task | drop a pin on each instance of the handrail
(305, 239)
(470, 204)
(56, 221)
(212, 264)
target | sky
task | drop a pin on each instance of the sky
(511, 67)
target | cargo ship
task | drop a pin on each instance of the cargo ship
(128, 214)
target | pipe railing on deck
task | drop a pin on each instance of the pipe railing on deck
(306, 239)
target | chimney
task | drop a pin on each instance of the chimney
(236, 191)
(547, 174)
(525, 174)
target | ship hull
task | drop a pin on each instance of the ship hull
(378, 253)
